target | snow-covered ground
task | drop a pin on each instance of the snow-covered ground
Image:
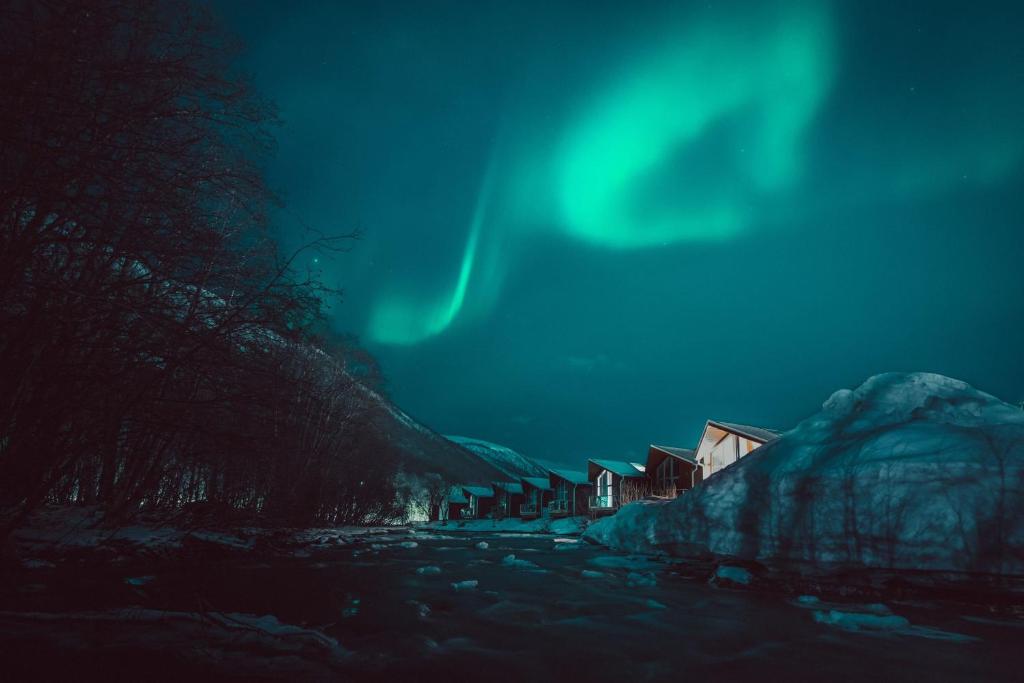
(566, 526)
(907, 472)
(423, 605)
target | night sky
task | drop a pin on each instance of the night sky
(590, 226)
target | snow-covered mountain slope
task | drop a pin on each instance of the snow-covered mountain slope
(909, 471)
(422, 450)
(505, 459)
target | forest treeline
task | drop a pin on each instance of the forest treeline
(157, 350)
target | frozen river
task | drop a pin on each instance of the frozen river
(484, 606)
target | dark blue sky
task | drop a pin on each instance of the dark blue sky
(591, 226)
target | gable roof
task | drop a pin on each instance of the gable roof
(538, 483)
(755, 433)
(479, 491)
(687, 454)
(620, 467)
(456, 495)
(509, 486)
(571, 476)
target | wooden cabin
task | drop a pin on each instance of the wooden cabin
(570, 493)
(454, 503)
(670, 470)
(537, 493)
(508, 496)
(615, 483)
(481, 501)
(723, 443)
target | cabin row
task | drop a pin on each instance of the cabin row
(606, 485)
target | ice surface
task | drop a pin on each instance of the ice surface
(908, 471)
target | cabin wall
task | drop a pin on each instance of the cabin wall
(715, 457)
(485, 507)
(671, 471)
(452, 511)
(532, 494)
(514, 501)
(578, 495)
(582, 499)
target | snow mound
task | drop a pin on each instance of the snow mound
(908, 471)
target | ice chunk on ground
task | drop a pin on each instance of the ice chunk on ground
(428, 570)
(466, 585)
(139, 580)
(725, 573)
(512, 561)
(408, 544)
(482, 545)
(856, 621)
(422, 609)
(641, 580)
(591, 574)
(874, 618)
(637, 562)
(37, 564)
(908, 471)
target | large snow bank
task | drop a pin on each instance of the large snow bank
(909, 471)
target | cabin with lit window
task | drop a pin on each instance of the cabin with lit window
(570, 491)
(508, 496)
(480, 502)
(670, 470)
(615, 483)
(537, 494)
(723, 443)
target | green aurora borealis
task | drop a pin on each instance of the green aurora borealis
(590, 226)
